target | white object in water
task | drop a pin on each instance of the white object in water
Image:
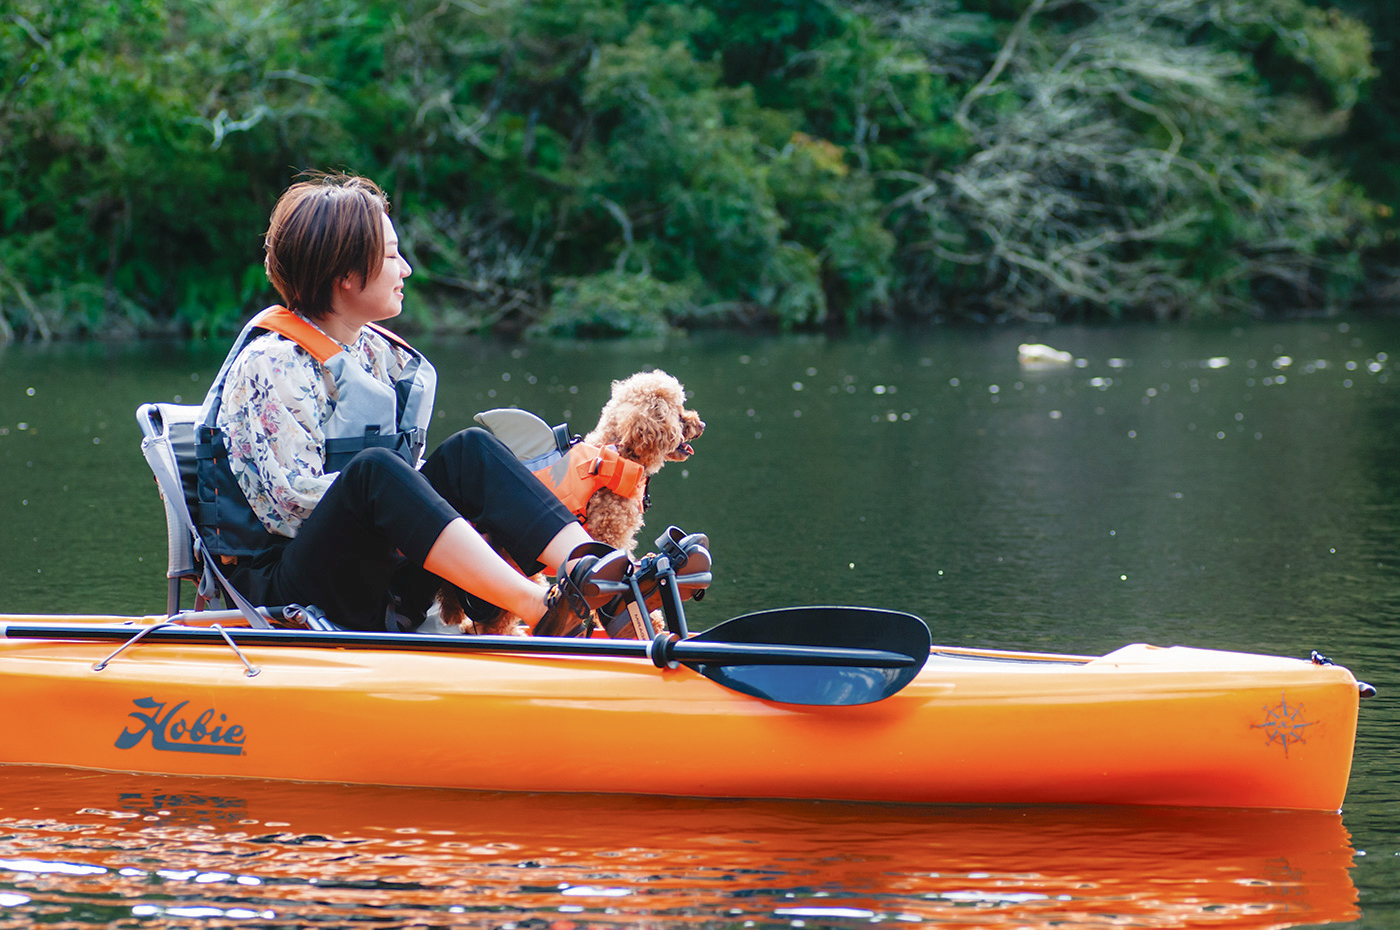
(1036, 354)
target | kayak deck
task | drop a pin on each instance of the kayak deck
(1140, 725)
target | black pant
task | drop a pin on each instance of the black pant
(372, 530)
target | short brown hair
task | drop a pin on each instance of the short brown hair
(322, 230)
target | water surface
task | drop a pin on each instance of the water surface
(1234, 488)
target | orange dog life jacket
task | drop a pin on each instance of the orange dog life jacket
(586, 469)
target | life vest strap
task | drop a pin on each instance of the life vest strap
(390, 335)
(283, 322)
(585, 469)
(404, 443)
(619, 475)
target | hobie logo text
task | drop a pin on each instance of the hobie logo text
(173, 731)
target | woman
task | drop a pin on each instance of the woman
(310, 436)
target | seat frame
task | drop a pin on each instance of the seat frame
(168, 445)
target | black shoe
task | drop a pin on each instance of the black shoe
(685, 554)
(689, 557)
(598, 575)
(676, 543)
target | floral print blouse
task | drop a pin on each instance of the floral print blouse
(275, 400)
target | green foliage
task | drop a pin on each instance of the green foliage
(1126, 166)
(137, 152)
(614, 303)
(607, 167)
(1304, 48)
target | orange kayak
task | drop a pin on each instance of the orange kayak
(1140, 725)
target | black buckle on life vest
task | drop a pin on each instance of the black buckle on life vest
(563, 439)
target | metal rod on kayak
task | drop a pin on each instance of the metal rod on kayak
(710, 653)
(816, 656)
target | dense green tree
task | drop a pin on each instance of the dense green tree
(1370, 147)
(601, 166)
(1123, 164)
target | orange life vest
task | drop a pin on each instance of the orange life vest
(585, 469)
(284, 322)
(368, 413)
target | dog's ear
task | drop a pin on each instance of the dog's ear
(653, 432)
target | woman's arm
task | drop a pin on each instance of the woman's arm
(274, 403)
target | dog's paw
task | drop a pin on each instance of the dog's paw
(502, 626)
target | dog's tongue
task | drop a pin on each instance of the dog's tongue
(686, 448)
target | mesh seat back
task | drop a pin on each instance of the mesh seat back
(168, 432)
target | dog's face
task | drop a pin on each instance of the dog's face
(647, 420)
(691, 428)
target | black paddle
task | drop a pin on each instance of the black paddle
(795, 655)
(856, 628)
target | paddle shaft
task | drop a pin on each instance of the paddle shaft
(659, 651)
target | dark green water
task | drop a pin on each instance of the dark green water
(1216, 487)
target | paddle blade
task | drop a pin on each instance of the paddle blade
(821, 685)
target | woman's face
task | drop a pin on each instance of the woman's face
(381, 296)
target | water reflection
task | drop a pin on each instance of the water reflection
(87, 847)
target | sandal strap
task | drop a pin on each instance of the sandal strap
(575, 624)
(584, 591)
(678, 544)
(623, 620)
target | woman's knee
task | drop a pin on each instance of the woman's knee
(369, 463)
(469, 452)
(475, 443)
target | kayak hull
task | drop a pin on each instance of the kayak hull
(1142, 725)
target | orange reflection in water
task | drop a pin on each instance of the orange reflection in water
(79, 849)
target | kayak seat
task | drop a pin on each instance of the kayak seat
(168, 444)
(168, 430)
